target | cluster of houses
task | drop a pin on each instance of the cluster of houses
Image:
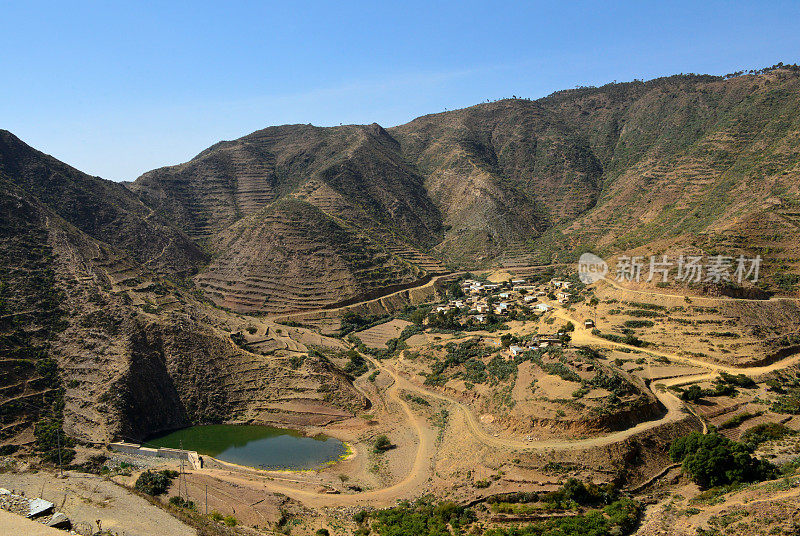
(538, 342)
(482, 298)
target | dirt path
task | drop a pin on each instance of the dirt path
(585, 337)
(616, 285)
(414, 482)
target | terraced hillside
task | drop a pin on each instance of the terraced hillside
(102, 209)
(353, 172)
(96, 343)
(693, 159)
(30, 315)
(292, 256)
(687, 162)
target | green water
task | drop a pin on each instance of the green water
(255, 446)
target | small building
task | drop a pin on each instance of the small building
(530, 298)
(516, 350)
(588, 323)
(480, 318)
(543, 307)
(501, 308)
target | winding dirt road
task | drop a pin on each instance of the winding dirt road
(414, 483)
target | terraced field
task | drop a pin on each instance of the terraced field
(376, 337)
(303, 260)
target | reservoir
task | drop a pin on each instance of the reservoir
(262, 447)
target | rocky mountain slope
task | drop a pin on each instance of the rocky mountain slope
(689, 161)
(102, 209)
(100, 325)
(92, 337)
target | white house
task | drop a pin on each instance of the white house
(543, 307)
(501, 308)
(516, 350)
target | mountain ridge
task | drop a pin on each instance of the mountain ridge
(664, 163)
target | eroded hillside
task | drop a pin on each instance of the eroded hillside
(683, 163)
(93, 340)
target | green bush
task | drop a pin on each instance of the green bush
(714, 460)
(638, 324)
(49, 435)
(382, 444)
(155, 483)
(180, 502)
(765, 432)
(739, 380)
(423, 518)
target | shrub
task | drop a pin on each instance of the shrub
(422, 517)
(765, 432)
(180, 502)
(154, 483)
(736, 420)
(739, 380)
(230, 521)
(714, 460)
(638, 324)
(382, 444)
(357, 365)
(49, 435)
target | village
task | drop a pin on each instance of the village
(481, 304)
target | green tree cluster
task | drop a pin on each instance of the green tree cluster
(714, 460)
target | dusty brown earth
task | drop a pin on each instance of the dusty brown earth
(85, 498)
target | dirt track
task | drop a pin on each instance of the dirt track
(414, 482)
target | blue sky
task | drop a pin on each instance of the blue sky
(116, 89)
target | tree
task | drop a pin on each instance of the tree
(382, 444)
(52, 441)
(714, 460)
